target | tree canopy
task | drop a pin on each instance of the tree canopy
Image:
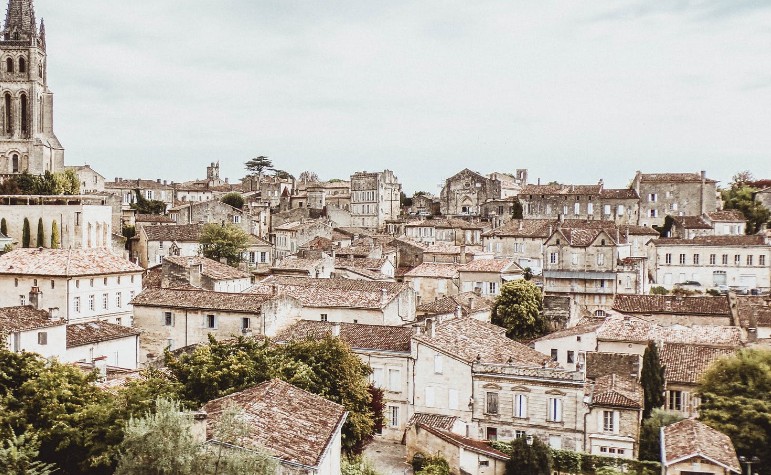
(256, 165)
(652, 380)
(650, 435)
(519, 309)
(223, 241)
(742, 198)
(308, 177)
(145, 206)
(234, 199)
(526, 459)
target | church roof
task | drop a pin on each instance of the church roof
(20, 17)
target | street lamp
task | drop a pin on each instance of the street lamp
(529, 440)
(749, 461)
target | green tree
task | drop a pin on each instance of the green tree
(652, 379)
(25, 234)
(129, 231)
(736, 400)
(282, 174)
(518, 211)
(28, 184)
(235, 200)
(524, 459)
(54, 235)
(256, 165)
(356, 465)
(3, 227)
(7, 248)
(41, 239)
(70, 182)
(742, 198)
(650, 442)
(223, 241)
(658, 290)
(145, 206)
(49, 184)
(434, 465)
(10, 186)
(18, 456)
(308, 177)
(519, 309)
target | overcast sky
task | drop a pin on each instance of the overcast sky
(572, 91)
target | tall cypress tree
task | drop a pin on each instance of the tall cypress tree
(41, 239)
(25, 234)
(4, 227)
(54, 235)
(652, 379)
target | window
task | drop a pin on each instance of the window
(42, 338)
(90, 302)
(118, 321)
(654, 213)
(590, 208)
(105, 301)
(621, 210)
(9, 65)
(554, 354)
(236, 219)
(118, 279)
(132, 279)
(429, 396)
(76, 304)
(600, 259)
(520, 406)
(713, 259)
(34, 282)
(675, 400)
(438, 363)
(761, 260)
(574, 258)
(571, 356)
(245, 323)
(393, 416)
(323, 317)
(577, 208)
(168, 319)
(749, 260)
(53, 283)
(555, 410)
(553, 258)
(492, 288)
(652, 197)
(377, 377)
(211, 321)
(105, 281)
(725, 259)
(696, 259)
(682, 258)
(91, 282)
(737, 259)
(484, 463)
(492, 433)
(118, 302)
(609, 421)
(518, 434)
(606, 210)
(394, 380)
(492, 403)
(22, 65)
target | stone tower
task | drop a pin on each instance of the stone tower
(27, 140)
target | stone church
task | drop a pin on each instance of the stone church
(27, 139)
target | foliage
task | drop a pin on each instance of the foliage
(527, 273)
(433, 465)
(713, 292)
(518, 211)
(736, 400)
(281, 174)
(25, 234)
(652, 379)
(10, 186)
(325, 367)
(226, 240)
(8, 248)
(4, 227)
(41, 239)
(129, 231)
(377, 407)
(145, 206)
(356, 465)
(18, 456)
(59, 183)
(54, 235)
(233, 199)
(419, 193)
(683, 292)
(659, 290)
(742, 178)
(70, 182)
(519, 309)
(650, 443)
(742, 198)
(308, 177)
(526, 459)
(256, 165)
(665, 229)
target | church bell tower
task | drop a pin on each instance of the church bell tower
(27, 139)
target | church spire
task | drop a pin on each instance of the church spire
(20, 21)
(42, 34)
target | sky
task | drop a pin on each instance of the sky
(572, 91)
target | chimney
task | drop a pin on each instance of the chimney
(430, 327)
(335, 329)
(164, 182)
(462, 253)
(703, 175)
(194, 274)
(458, 311)
(539, 182)
(36, 298)
(383, 295)
(471, 303)
(226, 180)
(54, 312)
(100, 364)
(520, 224)
(158, 181)
(198, 430)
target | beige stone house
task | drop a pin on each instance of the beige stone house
(321, 267)
(449, 231)
(614, 416)
(215, 211)
(375, 199)
(90, 341)
(464, 193)
(488, 275)
(151, 190)
(90, 180)
(676, 194)
(676, 310)
(521, 239)
(570, 346)
(585, 202)
(433, 281)
(26, 328)
(290, 237)
(203, 273)
(689, 447)
(153, 243)
(465, 304)
(258, 255)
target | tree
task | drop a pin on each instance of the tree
(308, 177)
(281, 174)
(518, 211)
(3, 227)
(41, 239)
(70, 182)
(741, 179)
(742, 198)
(650, 443)
(652, 379)
(529, 459)
(10, 186)
(434, 465)
(356, 465)
(145, 206)
(27, 183)
(235, 200)
(49, 184)
(223, 241)
(54, 235)
(659, 290)
(256, 165)
(736, 400)
(25, 234)
(519, 309)
(18, 456)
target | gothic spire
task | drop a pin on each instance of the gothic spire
(20, 21)
(42, 34)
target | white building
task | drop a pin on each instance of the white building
(88, 341)
(25, 328)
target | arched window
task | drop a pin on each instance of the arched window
(15, 35)
(15, 160)
(22, 65)
(9, 65)
(24, 117)
(7, 115)
(600, 313)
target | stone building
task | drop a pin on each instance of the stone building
(464, 193)
(34, 330)
(90, 180)
(290, 237)
(521, 239)
(375, 199)
(579, 202)
(203, 273)
(159, 190)
(690, 447)
(764, 197)
(153, 243)
(250, 220)
(27, 139)
(676, 194)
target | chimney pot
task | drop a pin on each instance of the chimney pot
(430, 327)
(335, 329)
(471, 303)
(458, 311)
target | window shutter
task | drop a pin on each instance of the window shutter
(558, 415)
(616, 420)
(523, 402)
(600, 421)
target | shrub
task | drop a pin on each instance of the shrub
(659, 290)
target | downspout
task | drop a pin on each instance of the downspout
(186, 343)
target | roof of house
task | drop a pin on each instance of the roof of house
(670, 304)
(358, 336)
(138, 183)
(434, 420)
(557, 189)
(617, 391)
(529, 228)
(474, 445)
(692, 222)
(153, 277)
(584, 236)
(619, 194)
(634, 230)
(79, 334)
(152, 218)
(291, 424)
(634, 329)
(428, 269)
(686, 363)
(572, 331)
(754, 311)
(345, 293)
(65, 262)
(298, 263)
(470, 340)
(673, 178)
(729, 240)
(449, 304)
(455, 223)
(491, 265)
(319, 242)
(441, 248)
(691, 438)
(178, 232)
(25, 318)
(727, 215)
(201, 299)
(209, 267)
(298, 225)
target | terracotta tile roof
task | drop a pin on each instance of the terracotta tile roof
(297, 263)
(449, 304)
(452, 223)
(362, 262)
(358, 336)
(452, 249)
(473, 445)
(344, 293)
(572, 331)
(291, 424)
(727, 215)
(466, 339)
(25, 318)
(201, 299)
(669, 304)
(601, 363)
(619, 194)
(433, 420)
(209, 267)
(672, 178)
(65, 262)
(692, 222)
(528, 228)
(141, 184)
(79, 334)
(560, 190)
(491, 265)
(296, 225)
(319, 242)
(736, 240)
(634, 230)
(153, 277)
(617, 391)
(257, 240)
(585, 236)
(688, 363)
(177, 232)
(428, 269)
(152, 218)
(690, 438)
(754, 311)
(366, 273)
(633, 329)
